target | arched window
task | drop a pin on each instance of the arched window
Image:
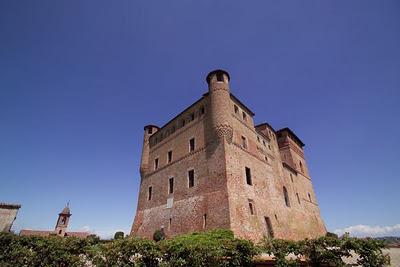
(285, 194)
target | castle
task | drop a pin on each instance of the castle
(211, 167)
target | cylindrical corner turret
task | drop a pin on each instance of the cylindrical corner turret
(149, 130)
(218, 87)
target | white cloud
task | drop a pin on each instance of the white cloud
(362, 230)
(85, 228)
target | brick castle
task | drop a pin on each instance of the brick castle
(211, 167)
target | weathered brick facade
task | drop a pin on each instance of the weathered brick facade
(251, 179)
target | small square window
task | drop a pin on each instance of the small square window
(192, 145)
(191, 178)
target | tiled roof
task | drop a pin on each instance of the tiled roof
(25, 232)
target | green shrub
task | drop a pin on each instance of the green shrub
(213, 248)
(370, 252)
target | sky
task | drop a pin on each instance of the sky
(80, 79)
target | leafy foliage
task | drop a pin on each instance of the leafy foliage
(213, 248)
(119, 235)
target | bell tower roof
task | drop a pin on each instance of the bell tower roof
(66, 210)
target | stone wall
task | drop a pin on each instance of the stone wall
(8, 214)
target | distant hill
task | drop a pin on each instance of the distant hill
(391, 241)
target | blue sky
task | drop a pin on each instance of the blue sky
(80, 79)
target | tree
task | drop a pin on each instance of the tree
(119, 235)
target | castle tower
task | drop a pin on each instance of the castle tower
(218, 87)
(144, 162)
(62, 222)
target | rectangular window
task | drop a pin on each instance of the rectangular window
(236, 109)
(169, 156)
(248, 176)
(204, 221)
(191, 178)
(244, 142)
(169, 223)
(150, 193)
(268, 224)
(244, 116)
(192, 116)
(191, 145)
(220, 77)
(150, 130)
(171, 185)
(201, 110)
(156, 164)
(266, 159)
(251, 208)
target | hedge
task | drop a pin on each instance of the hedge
(213, 248)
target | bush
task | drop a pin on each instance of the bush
(119, 235)
(213, 248)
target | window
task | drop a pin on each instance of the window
(291, 177)
(244, 116)
(169, 157)
(150, 131)
(191, 145)
(251, 208)
(298, 198)
(285, 194)
(244, 142)
(276, 217)
(201, 110)
(266, 159)
(301, 167)
(150, 193)
(263, 142)
(236, 109)
(63, 220)
(192, 116)
(183, 123)
(269, 147)
(248, 176)
(258, 139)
(309, 197)
(220, 77)
(204, 221)
(156, 164)
(191, 178)
(171, 185)
(59, 232)
(268, 224)
(169, 223)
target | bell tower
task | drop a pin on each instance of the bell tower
(63, 220)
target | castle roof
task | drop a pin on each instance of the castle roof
(292, 135)
(9, 206)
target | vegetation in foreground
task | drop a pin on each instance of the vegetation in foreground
(213, 248)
